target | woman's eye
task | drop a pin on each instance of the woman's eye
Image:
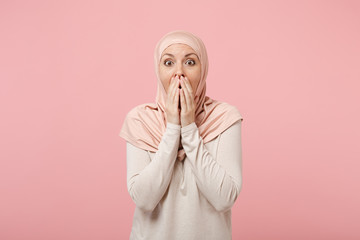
(193, 62)
(166, 62)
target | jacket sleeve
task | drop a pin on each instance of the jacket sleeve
(218, 178)
(148, 180)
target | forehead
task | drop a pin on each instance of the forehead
(178, 49)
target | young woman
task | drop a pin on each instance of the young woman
(184, 154)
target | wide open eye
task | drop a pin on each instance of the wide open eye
(166, 61)
(192, 61)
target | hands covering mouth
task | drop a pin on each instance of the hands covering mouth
(184, 95)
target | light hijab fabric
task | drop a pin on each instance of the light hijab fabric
(145, 124)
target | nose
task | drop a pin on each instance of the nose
(179, 74)
(179, 71)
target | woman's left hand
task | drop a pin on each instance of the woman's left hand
(188, 106)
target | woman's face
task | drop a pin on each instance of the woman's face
(179, 59)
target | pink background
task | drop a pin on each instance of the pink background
(71, 70)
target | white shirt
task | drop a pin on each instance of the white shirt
(189, 199)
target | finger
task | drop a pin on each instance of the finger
(186, 93)
(182, 100)
(176, 87)
(177, 93)
(170, 90)
(189, 94)
(189, 88)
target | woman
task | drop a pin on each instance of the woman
(184, 163)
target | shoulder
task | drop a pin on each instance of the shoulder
(232, 111)
(222, 106)
(137, 110)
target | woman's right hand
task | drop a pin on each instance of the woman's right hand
(172, 103)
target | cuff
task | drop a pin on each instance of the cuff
(173, 126)
(189, 127)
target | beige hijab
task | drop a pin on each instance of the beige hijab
(145, 124)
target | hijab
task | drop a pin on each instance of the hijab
(145, 124)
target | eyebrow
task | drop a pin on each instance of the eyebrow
(185, 55)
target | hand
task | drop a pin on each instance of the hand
(172, 110)
(188, 106)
